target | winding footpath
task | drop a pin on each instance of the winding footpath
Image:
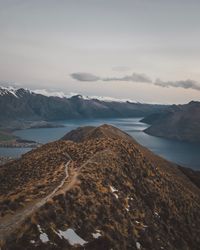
(8, 225)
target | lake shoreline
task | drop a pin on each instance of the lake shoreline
(183, 154)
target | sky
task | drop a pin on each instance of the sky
(143, 50)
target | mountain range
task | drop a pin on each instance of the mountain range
(25, 105)
(23, 108)
(98, 189)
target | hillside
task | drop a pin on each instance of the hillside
(179, 122)
(24, 105)
(97, 188)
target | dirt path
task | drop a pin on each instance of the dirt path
(8, 225)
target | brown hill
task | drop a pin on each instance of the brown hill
(88, 133)
(98, 189)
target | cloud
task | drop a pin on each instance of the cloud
(85, 77)
(186, 84)
(136, 77)
(130, 78)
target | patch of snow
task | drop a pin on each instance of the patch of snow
(157, 214)
(127, 208)
(130, 198)
(72, 237)
(103, 98)
(43, 236)
(116, 195)
(47, 93)
(32, 241)
(113, 189)
(138, 245)
(143, 225)
(8, 90)
(97, 234)
(60, 94)
(108, 99)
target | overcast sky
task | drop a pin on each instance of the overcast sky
(144, 50)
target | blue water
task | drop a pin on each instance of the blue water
(185, 154)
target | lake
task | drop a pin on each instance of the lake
(183, 153)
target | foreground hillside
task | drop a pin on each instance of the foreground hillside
(180, 122)
(97, 189)
(24, 105)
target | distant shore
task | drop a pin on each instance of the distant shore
(9, 140)
(19, 125)
(19, 144)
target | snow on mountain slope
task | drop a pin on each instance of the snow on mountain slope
(47, 93)
(18, 92)
(8, 91)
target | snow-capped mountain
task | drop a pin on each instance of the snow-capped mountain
(18, 92)
(8, 91)
(25, 104)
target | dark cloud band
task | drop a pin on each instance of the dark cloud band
(186, 84)
(83, 77)
(130, 78)
(135, 77)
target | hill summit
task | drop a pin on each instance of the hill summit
(97, 188)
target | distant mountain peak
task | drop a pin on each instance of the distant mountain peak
(194, 103)
(8, 91)
(19, 92)
(78, 96)
(50, 93)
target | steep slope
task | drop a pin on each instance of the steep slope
(180, 122)
(25, 105)
(97, 190)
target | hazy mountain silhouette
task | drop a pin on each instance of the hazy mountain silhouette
(180, 122)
